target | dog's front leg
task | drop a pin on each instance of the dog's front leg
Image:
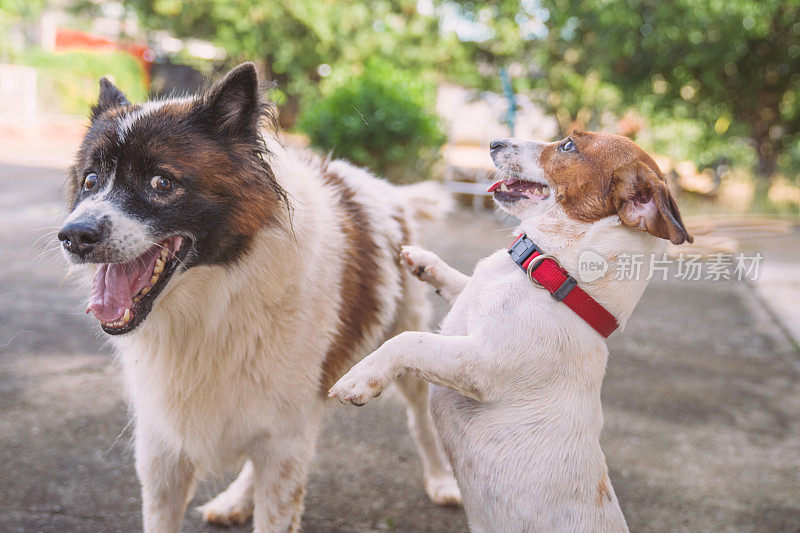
(167, 479)
(280, 467)
(451, 361)
(429, 267)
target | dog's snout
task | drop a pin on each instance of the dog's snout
(80, 236)
(497, 144)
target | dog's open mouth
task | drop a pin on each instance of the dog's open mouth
(512, 190)
(123, 293)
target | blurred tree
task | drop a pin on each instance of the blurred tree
(732, 64)
(518, 35)
(301, 41)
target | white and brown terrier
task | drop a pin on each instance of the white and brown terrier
(520, 359)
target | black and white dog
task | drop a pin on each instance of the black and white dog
(237, 281)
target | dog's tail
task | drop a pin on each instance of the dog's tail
(427, 200)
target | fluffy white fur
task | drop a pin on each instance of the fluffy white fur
(228, 363)
(517, 376)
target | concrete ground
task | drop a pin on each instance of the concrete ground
(701, 402)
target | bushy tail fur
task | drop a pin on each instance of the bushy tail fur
(427, 200)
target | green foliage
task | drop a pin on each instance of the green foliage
(381, 119)
(293, 38)
(730, 66)
(687, 140)
(13, 12)
(733, 66)
(68, 80)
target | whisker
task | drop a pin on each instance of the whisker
(51, 247)
(56, 228)
(48, 254)
(50, 234)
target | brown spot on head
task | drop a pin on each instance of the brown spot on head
(603, 175)
(210, 146)
(188, 170)
(596, 175)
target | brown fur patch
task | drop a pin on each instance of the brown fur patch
(603, 494)
(405, 232)
(604, 175)
(405, 238)
(359, 283)
(229, 175)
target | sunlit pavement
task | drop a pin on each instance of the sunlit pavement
(779, 282)
(701, 404)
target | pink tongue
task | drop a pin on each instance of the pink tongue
(115, 284)
(494, 186)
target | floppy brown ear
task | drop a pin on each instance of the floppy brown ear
(647, 204)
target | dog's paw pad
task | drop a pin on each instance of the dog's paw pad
(416, 258)
(419, 262)
(443, 491)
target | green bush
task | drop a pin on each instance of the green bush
(381, 119)
(68, 81)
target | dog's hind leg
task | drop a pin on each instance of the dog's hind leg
(167, 479)
(233, 507)
(440, 484)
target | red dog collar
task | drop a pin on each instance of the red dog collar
(546, 272)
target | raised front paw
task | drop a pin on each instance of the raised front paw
(420, 262)
(360, 385)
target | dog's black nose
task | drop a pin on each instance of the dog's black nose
(497, 144)
(80, 237)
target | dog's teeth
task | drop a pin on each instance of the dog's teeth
(127, 316)
(503, 187)
(136, 299)
(159, 268)
(145, 290)
(164, 253)
(153, 280)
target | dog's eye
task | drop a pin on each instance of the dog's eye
(161, 184)
(90, 181)
(567, 146)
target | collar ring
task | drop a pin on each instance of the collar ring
(535, 263)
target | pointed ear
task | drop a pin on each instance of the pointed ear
(109, 97)
(647, 204)
(232, 104)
